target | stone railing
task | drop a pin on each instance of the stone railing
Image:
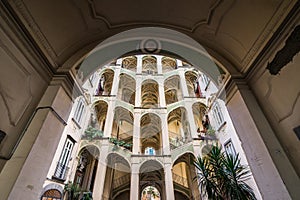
(123, 180)
(180, 180)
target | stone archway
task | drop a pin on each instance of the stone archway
(170, 42)
(238, 100)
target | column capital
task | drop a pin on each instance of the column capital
(232, 86)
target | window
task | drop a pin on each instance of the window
(62, 165)
(206, 80)
(229, 148)
(217, 113)
(150, 151)
(79, 111)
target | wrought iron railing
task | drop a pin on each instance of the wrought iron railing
(61, 171)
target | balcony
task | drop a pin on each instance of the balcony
(61, 172)
(180, 180)
(177, 140)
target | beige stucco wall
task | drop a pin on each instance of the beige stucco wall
(279, 98)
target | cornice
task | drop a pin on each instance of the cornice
(20, 37)
(259, 65)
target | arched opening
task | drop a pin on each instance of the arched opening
(100, 110)
(129, 63)
(52, 194)
(191, 78)
(117, 178)
(86, 168)
(168, 64)
(150, 95)
(149, 65)
(178, 128)
(123, 126)
(150, 193)
(183, 178)
(127, 87)
(105, 82)
(150, 130)
(173, 92)
(200, 117)
(151, 175)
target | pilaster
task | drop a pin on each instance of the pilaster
(115, 85)
(169, 181)
(183, 84)
(134, 185)
(191, 119)
(165, 134)
(109, 119)
(22, 174)
(258, 141)
(136, 133)
(159, 64)
(101, 172)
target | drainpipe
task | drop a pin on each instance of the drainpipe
(27, 125)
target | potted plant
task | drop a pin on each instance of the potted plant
(72, 191)
(221, 176)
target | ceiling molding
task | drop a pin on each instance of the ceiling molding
(99, 16)
(32, 27)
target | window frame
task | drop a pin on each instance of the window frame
(218, 114)
(79, 112)
(229, 147)
(64, 159)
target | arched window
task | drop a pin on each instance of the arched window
(52, 194)
(149, 151)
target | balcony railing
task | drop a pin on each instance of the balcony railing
(177, 140)
(121, 181)
(61, 171)
(180, 180)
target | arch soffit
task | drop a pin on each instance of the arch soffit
(172, 40)
(200, 103)
(149, 80)
(122, 110)
(119, 155)
(179, 105)
(181, 155)
(119, 192)
(181, 192)
(95, 103)
(82, 148)
(106, 69)
(52, 186)
(170, 77)
(152, 112)
(182, 111)
(126, 73)
(154, 160)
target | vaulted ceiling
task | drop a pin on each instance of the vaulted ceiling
(235, 30)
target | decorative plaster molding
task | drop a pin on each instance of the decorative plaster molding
(292, 109)
(191, 29)
(16, 110)
(266, 33)
(33, 28)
